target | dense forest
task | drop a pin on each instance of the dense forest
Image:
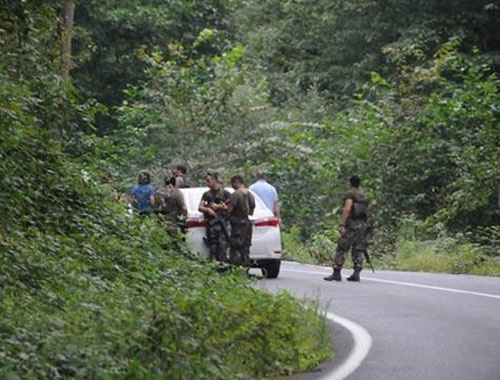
(406, 94)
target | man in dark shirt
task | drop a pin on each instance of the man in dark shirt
(181, 180)
(170, 206)
(241, 205)
(353, 228)
(214, 208)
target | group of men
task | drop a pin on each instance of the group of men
(222, 208)
(166, 201)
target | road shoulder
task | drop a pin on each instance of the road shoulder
(342, 342)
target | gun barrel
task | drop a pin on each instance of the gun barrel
(369, 261)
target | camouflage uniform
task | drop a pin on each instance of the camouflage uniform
(217, 237)
(170, 206)
(357, 227)
(181, 182)
(243, 204)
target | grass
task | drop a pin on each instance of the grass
(441, 256)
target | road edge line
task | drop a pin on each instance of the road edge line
(362, 344)
(405, 283)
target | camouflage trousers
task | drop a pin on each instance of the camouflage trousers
(355, 240)
(241, 240)
(217, 242)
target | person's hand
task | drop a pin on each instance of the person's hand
(216, 206)
(212, 212)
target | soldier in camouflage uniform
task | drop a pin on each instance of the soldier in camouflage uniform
(169, 204)
(354, 228)
(241, 205)
(181, 180)
(214, 208)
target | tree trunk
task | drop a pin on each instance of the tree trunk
(69, 15)
(66, 36)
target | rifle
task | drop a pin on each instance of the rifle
(369, 261)
(219, 219)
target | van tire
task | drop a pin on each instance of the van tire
(272, 267)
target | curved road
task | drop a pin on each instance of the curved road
(422, 326)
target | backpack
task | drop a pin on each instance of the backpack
(360, 208)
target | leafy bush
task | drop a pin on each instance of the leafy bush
(489, 239)
(89, 291)
(444, 255)
(294, 249)
(127, 306)
(322, 248)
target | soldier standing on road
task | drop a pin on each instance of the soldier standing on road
(241, 205)
(169, 203)
(214, 208)
(354, 227)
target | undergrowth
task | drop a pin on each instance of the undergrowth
(443, 254)
(439, 256)
(91, 292)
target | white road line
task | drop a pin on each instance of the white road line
(451, 290)
(412, 284)
(361, 347)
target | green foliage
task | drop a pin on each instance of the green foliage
(89, 291)
(403, 93)
(489, 239)
(445, 255)
(191, 111)
(319, 249)
(294, 249)
(336, 45)
(118, 307)
(234, 86)
(110, 34)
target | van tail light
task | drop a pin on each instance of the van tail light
(195, 222)
(266, 222)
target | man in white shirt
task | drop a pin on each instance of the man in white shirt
(267, 193)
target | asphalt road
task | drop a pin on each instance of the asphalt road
(422, 326)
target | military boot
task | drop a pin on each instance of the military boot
(355, 275)
(334, 276)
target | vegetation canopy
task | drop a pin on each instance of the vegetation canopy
(403, 93)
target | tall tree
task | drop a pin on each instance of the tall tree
(66, 61)
(67, 34)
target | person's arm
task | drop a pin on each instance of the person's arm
(345, 215)
(182, 204)
(276, 210)
(152, 196)
(205, 209)
(251, 203)
(179, 182)
(219, 206)
(276, 204)
(231, 202)
(152, 200)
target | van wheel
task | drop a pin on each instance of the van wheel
(270, 268)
